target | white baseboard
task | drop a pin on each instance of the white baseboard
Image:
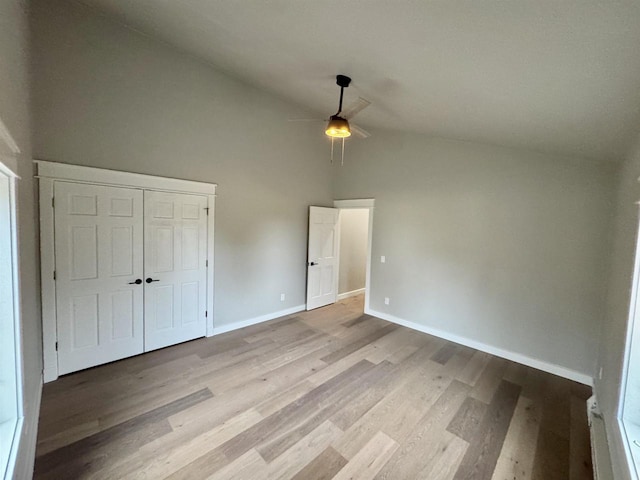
(499, 352)
(50, 374)
(253, 321)
(352, 293)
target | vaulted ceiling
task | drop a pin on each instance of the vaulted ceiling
(555, 76)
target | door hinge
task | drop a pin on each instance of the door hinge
(53, 202)
(56, 346)
(207, 209)
(54, 274)
(206, 263)
(206, 314)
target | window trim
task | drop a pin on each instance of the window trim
(18, 423)
(631, 453)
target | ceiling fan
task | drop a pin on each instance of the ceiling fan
(338, 125)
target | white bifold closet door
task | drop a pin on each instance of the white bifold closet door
(131, 272)
(99, 257)
(175, 245)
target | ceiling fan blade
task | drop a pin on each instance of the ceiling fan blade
(355, 108)
(306, 120)
(359, 132)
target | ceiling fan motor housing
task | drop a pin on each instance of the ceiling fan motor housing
(343, 81)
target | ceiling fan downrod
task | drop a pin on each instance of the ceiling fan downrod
(343, 82)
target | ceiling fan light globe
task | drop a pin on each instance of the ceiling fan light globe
(338, 127)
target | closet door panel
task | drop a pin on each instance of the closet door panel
(175, 268)
(98, 247)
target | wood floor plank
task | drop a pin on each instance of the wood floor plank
(114, 399)
(370, 459)
(91, 458)
(516, 373)
(556, 415)
(278, 401)
(482, 455)
(443, 463)
(467, 420)
(203, 467)
(299, 349)
(398, 413)
(353, 411)
(266, 329)
(534, 384)
(65, 437)
(474, 368)
(219, 348)
(177, 449)
(235, 347)
(323, 467)
(227, 379)
(458, 362)
(84, 455)
(420, 450)
(339, 366)
(249, 465)
(356, 321)
(325, 410)
(489, 380)
(300, 454)
(315, 395)
(551, 456)
(294, 413)
(361, 404)
(402, 353)
(443, 355)
(516, 460)
(357, 345)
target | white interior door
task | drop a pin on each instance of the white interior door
(175, 268)
(322, 261)
(99, 259)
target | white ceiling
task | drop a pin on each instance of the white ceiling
(555, 76)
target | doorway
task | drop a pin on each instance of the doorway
(333, 274)
(356, 226)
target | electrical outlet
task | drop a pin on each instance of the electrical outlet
(282, 297)
(383, 259)
(600, 373)
(386, 300)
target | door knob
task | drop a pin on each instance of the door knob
(149, 280)
(137, 282)
(312, 264)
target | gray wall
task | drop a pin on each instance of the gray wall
(105, 96)
(14, 111)
(505, 247)
(354, 233)
(614, 327)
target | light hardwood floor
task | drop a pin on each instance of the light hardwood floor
(325, 394)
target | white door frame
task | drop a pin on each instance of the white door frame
(369, 204)
(47, 174)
